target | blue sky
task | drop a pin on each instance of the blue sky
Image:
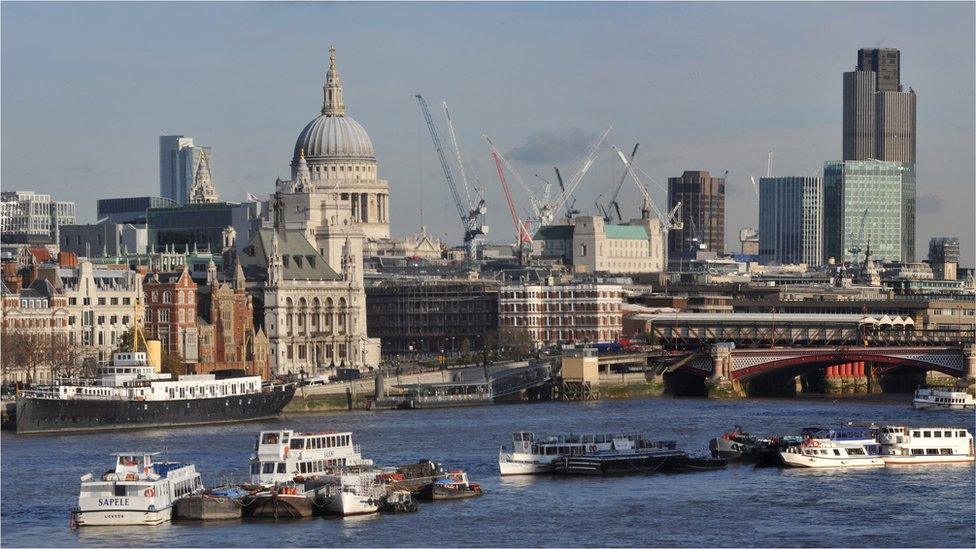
(88, 87)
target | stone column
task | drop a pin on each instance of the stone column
(969, 355)
(720, 384)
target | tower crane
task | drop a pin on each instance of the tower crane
(668, 221)
(534, 201)
(523, 238)
(470, 212)
(605, 210)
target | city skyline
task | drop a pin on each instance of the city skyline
(691, 104)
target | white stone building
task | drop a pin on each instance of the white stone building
(590, 245)
(27, 213)
(102, 303)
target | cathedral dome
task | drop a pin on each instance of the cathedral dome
(334, 136)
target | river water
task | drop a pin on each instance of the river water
(738, 506)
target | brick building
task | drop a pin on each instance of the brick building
(228, 339)
(557, 314)
(170, 302)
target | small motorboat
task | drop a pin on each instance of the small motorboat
(454, 485)
(398, 501)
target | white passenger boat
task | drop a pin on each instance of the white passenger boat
(901, 445)
(529, 455)
(138, 491)
(945, 398)
(836, 448)
(280, 456)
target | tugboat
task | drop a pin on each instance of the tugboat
(738, 445)
(139, 491)
(130, 394)
(902, 445)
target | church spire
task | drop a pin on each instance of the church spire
(203, 190)
(332, 104)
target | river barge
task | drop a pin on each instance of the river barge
(637, 462)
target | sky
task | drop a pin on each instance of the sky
(87, 88)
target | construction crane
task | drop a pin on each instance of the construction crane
(670, 221)
(471, 212)
(523, 238)
(612, 203)
(545, 208)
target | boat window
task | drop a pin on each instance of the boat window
(948, 434)
(931, 451)
(119, 490)
(937, 434)
(926, 434)
(962, 433)
(836, 452)
(268, 467)
(917, 451)
(855, 451)
(587, 439)
(255, 468)
(269, 438)
(297, 443)
(946, 451)
(284, 438)
(281, 468)
(916, 433)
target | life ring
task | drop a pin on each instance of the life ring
(593, 447)
(286, 451)
(814, 443)
(149, 492)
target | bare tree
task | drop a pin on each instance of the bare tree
(12, 347)
(518, 342)
(66, 359)
(173, 364)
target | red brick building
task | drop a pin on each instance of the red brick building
(228, 340)
(171, 305)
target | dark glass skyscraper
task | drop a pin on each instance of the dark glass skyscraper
(879, 118)
(702, 200)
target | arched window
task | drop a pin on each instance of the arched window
(167, 298)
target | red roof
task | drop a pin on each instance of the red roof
(41, 254)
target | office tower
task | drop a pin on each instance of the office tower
(866, 203)
(26, 214)
(944, 256)
(702, 200)
(791, 220)
(879, 118)
(179, 159)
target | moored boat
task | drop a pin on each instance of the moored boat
(901, 445)
(846, 447)
(218, 504)
(138, 491)
(286, 500)
(454, 486)
(131, 394)
(531, 455)
(942, 398)
(633, 462)
(398, 501)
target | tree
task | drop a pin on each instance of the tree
(13, 345)
(66, 359)
(518, 342)
(126, 341)
(173, 364)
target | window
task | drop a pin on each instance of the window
(268, 468)
(281, 468)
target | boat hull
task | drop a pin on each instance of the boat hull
(38, 415)
(638, 463)
(921, 404)
(347, 503)
(206, 507)
(268, 505)
(514, 466)
(799, 460)
(927, 459)
(119, 517)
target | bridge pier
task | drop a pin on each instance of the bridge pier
(721, 384)
(969, 355)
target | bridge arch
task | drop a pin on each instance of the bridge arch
(747, 365)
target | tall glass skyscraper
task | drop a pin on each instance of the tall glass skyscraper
(869, 202)
(178, 161)
(791, 220)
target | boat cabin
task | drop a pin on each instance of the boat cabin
(925, 441)
(282, 455)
